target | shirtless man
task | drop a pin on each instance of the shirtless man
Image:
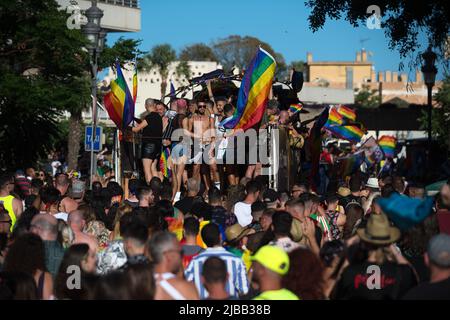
(202, 127)
(77, 223)
(217, 170)
(165, 252)
(66, 204)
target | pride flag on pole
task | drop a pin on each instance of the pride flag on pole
(343, 126)
(387, 144)
(118, 102)
(254, 92)
(295, 107)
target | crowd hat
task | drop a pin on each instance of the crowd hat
(273, 258)
(378, 230)
(236, 232)
(373, 183)
(343, 191)
(270, 196)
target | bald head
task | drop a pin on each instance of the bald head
(45, 226)
(76, 220)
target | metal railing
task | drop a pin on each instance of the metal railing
(123, 3)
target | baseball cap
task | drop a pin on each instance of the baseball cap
(273, 258)
(78, 187)
(439, 250)
(270, 195)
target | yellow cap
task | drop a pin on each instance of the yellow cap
(273, 258)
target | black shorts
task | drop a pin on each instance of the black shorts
(151, 150)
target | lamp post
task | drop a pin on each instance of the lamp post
(429, 71)
(96, 41)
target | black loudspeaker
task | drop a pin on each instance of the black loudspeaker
(297, 81)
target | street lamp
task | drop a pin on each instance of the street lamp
(96, 41)
(429, 71)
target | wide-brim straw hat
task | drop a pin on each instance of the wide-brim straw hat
(378, 230)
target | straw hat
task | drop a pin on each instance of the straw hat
(236, 232)
(378, 230)
(343, 191)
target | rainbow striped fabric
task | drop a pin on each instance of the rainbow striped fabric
(118, 102)
(295, 107)
(342, 127)
(347, 112)
(388, 144)
(135, 83)
(164, 162)
(254, 92)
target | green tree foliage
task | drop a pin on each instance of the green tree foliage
(197, 52)
(366, 97)
(123, 49)
(400, 20)
(42, 67)
(160, 57)
(440, 118)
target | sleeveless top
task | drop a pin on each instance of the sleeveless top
(7, 203)
(167, 287)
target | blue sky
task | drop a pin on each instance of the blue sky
(283, 24)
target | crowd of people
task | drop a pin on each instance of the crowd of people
(211, 232)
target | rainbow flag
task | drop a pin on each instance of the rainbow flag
(164, 162)
(295, 107)
(338, 125)
(254, 92)
(349, 165)
(347, 112)
(388, 144)
(118, 102)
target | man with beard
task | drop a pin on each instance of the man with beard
(202, 127)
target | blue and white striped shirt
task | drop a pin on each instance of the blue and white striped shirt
(237, 273)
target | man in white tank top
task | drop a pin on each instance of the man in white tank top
(165, 252)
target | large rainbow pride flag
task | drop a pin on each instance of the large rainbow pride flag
(254, 92)
(341, 124)
(118, 102)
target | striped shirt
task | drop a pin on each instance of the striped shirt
(237, 274)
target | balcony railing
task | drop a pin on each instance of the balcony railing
(123, 3)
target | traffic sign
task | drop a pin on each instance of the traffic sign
(88, 138)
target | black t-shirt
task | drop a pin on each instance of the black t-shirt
(154, 129)
(185, 204)
(395, 281)
(348, 199)
(430, 291)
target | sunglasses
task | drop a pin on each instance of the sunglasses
(202, 105)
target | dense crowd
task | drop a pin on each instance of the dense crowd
(218, 234)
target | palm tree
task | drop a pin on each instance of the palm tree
(160, 57)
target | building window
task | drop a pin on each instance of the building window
(151, 80)
(146, 79)
(154, 73)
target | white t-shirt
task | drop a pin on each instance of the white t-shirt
(62, 216)
(243, 213)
